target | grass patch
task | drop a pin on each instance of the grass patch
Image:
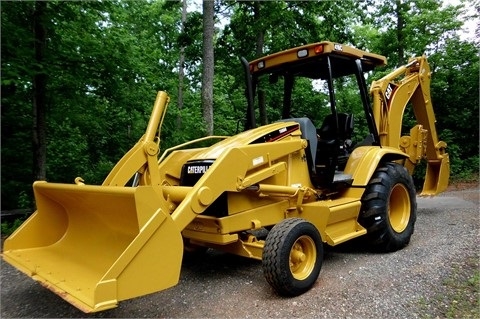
(459, 295)
(463, 299)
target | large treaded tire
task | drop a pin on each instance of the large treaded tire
(389, 208)
(292, 256)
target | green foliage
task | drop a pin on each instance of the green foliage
(24, 200)
(72, 145)
(7, 228)
(402, 29)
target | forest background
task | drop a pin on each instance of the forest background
(79, 78)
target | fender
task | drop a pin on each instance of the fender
(364, 161)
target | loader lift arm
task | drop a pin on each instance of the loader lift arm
(143, 155)
(391, 95)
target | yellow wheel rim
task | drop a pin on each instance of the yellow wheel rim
(302, 257)
(399, 208)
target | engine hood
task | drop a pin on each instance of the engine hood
(263, 134)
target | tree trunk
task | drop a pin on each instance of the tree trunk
(39, 94)
(208, 61)
(399, 12)
(259, 53)
(181, 73)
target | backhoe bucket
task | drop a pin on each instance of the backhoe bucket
(436, 177)
(97, 245)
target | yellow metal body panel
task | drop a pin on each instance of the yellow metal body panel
(255, 217)
(242, 139)
(336, 220)
(364, 160)
(243, 201)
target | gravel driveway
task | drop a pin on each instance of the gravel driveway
(424, 280)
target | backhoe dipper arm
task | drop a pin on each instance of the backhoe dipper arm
(391, 94)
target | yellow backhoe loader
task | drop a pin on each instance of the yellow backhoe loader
(307, 185)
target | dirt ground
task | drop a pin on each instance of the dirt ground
(436, 276)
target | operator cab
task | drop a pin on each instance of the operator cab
(324, 68)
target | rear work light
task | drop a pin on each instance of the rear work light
(261, 65)
(302, 53)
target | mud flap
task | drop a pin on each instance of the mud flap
(97, 245)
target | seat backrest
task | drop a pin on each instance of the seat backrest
(309, 132)
(345, 127)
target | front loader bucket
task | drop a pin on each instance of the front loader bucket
(97, 245)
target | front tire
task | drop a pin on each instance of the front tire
(389, 208)
(292, 256)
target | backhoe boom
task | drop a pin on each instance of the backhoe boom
(410, 84)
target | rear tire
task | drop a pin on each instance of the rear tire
(389, 208)
(292, 256)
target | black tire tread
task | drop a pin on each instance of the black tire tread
(373, 215)
(276, 271)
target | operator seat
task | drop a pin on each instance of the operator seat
(333, 146)
(327, 131)
(309, 132)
